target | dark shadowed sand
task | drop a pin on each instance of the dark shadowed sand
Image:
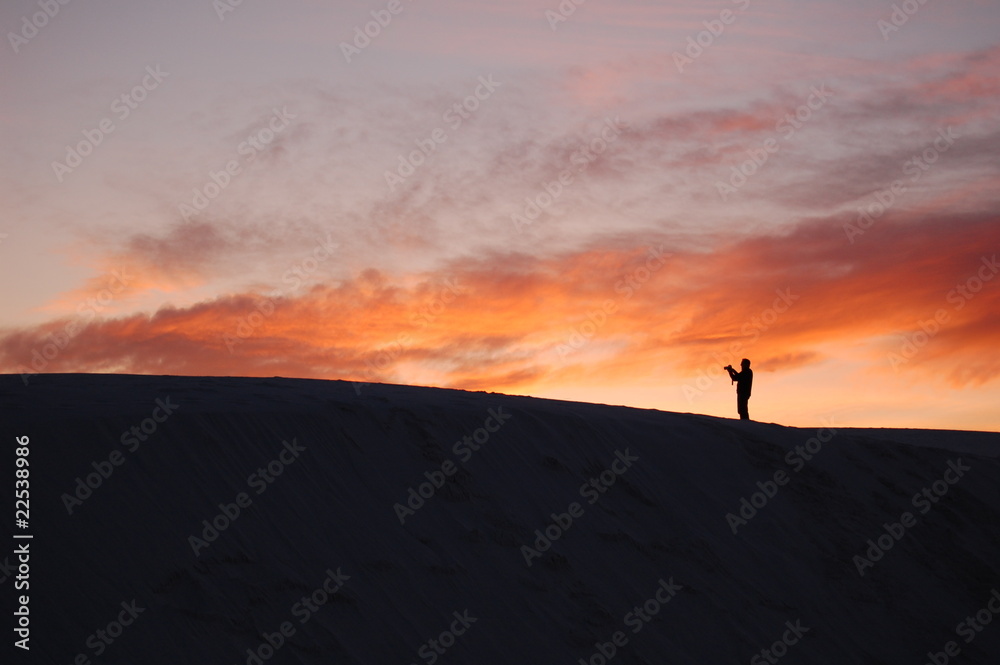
(621, 514)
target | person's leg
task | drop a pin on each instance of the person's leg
(743, 407)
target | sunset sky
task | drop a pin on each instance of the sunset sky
(605, 202)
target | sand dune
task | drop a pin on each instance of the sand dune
(235, 520)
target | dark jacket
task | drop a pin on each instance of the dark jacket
(744, 381)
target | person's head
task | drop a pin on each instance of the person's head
(744, 363)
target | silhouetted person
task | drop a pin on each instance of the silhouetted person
(744, 382)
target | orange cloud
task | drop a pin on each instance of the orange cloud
(513, 322)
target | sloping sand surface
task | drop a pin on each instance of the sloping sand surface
(618, 511)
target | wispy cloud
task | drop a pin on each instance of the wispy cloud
(508, 320)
